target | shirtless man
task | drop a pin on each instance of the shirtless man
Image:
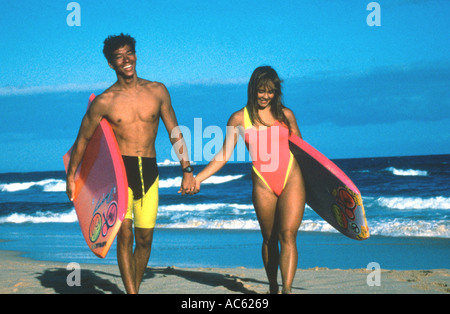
(133, 107)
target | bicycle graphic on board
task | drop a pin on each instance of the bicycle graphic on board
(101, 223)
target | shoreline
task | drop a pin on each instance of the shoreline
(195, 248)
(26, 276)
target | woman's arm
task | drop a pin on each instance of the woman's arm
(293, 122)
(234, 126)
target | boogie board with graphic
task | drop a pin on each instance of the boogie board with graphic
(329, 192)
(101, 193)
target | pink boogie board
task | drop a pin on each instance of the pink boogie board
(101, 193)
(329, 192)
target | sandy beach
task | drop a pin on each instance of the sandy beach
(25, 276)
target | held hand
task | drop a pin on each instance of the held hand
(187, 184)
(197, 186)
(195, 190)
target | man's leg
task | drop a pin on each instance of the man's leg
(125, 258)
(144, 238)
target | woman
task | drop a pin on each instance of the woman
(278, 188)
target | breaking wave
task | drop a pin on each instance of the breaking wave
(407, 172)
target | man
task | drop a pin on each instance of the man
(133, 107)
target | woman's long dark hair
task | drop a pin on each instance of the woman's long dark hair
(265, 76)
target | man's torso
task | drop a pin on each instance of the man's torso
(134, 116)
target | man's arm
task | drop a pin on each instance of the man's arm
(89, 123)
(176, 138)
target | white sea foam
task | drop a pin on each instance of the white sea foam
(168, 162)
(407, 172)
(48, 185)
(241, 224)
(402, 203)
(316, 226)
(397, 227)
(411, 228)
(203, 207)
(57, 185)
(40, 217)
(394, 228)
(176, 182)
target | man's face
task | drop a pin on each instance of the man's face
(124, 61)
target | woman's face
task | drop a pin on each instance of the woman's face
(265, 94)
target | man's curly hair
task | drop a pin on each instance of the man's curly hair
(115, 42)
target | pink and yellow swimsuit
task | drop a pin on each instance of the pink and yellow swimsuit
(270, 153)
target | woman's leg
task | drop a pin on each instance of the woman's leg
(290, 209)
(265, 201)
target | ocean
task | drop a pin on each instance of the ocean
(406, 199)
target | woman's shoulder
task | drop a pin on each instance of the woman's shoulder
(289, 114)
(237, 118)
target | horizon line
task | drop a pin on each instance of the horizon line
(441, 67)
(6, 91)
(3, 172)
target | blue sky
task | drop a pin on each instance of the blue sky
(357, 91)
